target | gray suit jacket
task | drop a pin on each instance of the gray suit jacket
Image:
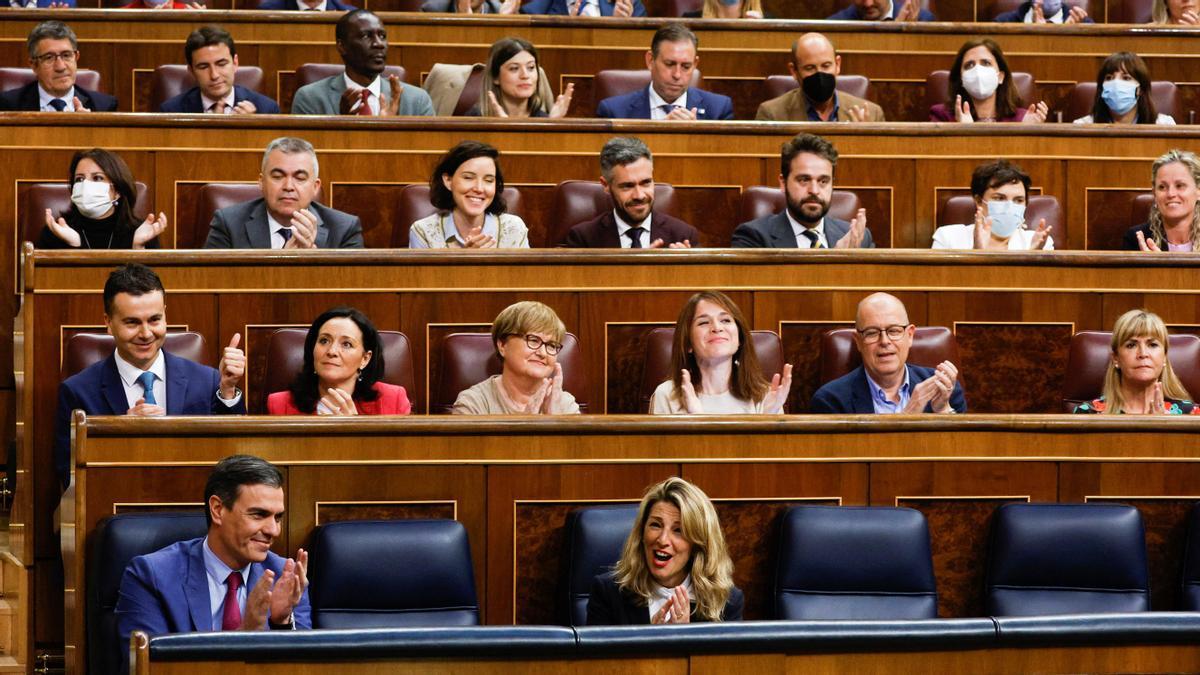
(245, 226)
(775, 231)
(323, 97)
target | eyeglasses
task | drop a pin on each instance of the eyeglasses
(871, 335)
(534, 342)
(47, 59)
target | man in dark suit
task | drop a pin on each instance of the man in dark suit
(806, 179)
(227, 580)
(885, 383)
(627, 174)
(671, 60)
(883, 10)
(139, 377)
(213, 62)
(286, 216)
(617, 8)
(306, 5)
(54, 57)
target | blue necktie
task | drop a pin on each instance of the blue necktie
(668, 107)
(286, 233)
(58, 104)
(146, 379)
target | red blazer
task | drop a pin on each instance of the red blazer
(392, 400)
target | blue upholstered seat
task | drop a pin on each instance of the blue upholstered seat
(1190, 599)
(595, 537)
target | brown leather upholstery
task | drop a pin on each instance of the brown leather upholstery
(56, 197)
(13, 78)
(758, 201)
(1091, 351)
(173, 79)
(84, 349)
(678, 7)
(414, 205)
(578, 200)
(960, 210)
(1139, 208)
(1164, 94)
(937, 88)
(470, 91)
(470, 358)
(931, 345)
(656, 367)
(285, 358)
(1131, 11)
(192, 229)
(994, 8)
(616, 82)
(855, 85)
(311, 72)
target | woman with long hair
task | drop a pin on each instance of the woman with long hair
(1174, 222)
(1139, 380)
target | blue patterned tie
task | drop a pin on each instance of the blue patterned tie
(146, 379)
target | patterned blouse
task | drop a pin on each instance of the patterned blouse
(1170, 407)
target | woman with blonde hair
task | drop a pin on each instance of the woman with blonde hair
(1175, 12)
(674, 567)
(714, 368)
(1174, 223)
(1140, 380)
(728, 9)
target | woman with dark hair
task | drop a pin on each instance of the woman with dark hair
(467, 189)
(103, 195)
(1123, 93)
(714, 366)
(343, 364)
(516, 86)
(982, 89)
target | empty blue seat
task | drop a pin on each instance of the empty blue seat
(1190, 600)
(1067, 559)
(595, 537)
(392, 574)
(854, 562)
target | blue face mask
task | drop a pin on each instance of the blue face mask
(1051, 7)
(1120, 95)
(1006, 218)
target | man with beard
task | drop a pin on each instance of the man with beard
(627, 175)
(363, 44)
(816, 66)
(806, 178)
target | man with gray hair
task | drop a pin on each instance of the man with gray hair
(54, 56)
(627, 175)
(286, 215)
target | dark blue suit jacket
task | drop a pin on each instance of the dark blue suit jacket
(560, 7)
(291, 5)
(850, 394)
(97, 390)
(1018, 15)
(167, 592)
(26, 98)
(851, 13)
(636, 105)
(190, 101)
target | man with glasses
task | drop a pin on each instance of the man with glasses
(885, 383)
(53, 56)
(287, 215)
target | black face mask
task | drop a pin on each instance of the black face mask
(819, 86)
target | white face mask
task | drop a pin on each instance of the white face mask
(981, 81)
(92, 198)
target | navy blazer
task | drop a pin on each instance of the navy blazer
(610, 605)
(636, 105)
(190, 101)
(775, 231)
(560, 7)
(1018, 15)
(26, 98)
(851, 394)
(97, 390)
(293, 6)
(851, 13)
(1129, 240)
(167, 592)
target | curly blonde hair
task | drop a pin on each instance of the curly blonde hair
(1192, 164)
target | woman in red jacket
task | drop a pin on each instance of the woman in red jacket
(343, 362)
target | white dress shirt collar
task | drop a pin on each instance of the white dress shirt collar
(661, 595)
(277, 240)
(623, 227)
(374, 88)
(44, 98)
(217, 572)
(129, 374)
(798, 229)
(226, 109)
(317, 8)
(491, 227)
(657, 102)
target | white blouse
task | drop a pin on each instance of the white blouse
(963, 236)
(664, 402)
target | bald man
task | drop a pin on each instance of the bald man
(816, 65)
(885, 383)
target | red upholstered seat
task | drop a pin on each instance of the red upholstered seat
(13, 78)
(758, 201)
(414, 205)
(855, 85)
(576, 201)
(1091, 351)
(311, 72)
(1139, 208)
(656, 368)
(678, 7)
(84, 349)
(56, 197)
(173, 79)
(470, 92)
(937, 88)
(931, 345)
(1131, 11)
(1164, 94)
(192, 228)
(960, 210)
(470, 358)
(285, 358)
(616, 82)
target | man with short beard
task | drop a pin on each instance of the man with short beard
(627, 174)
(806, 178)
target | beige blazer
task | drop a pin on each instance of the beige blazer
(791, 108)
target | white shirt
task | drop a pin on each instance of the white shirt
(44, 97)
(373, 88)
(623, 227)
(217, 573)
(664, 402)
(277, 240)
(1161, 119)
(1056, 18)
(305, 8)
(589, 7)
(661, 595)
(963, 237)
(226, 106)
(133, 389)
(657, 102)
(798, 229)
